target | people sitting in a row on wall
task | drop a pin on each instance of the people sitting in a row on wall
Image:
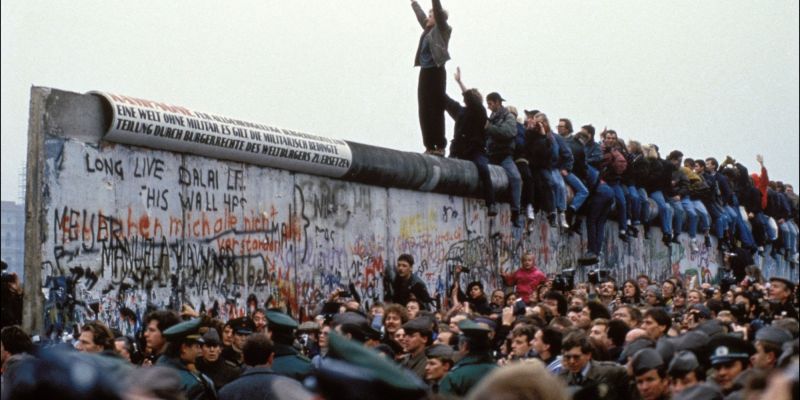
(697, 196)
(531, 337)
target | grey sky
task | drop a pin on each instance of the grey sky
(707, 77)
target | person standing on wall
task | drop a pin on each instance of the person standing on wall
(431, 56)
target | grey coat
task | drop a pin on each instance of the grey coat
(438, 36)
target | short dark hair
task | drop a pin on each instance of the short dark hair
(553, 338)
(257, 349)
(617, 330)
(101, 335)
(523, 330)
(473, 97)
(713, 161)
(562, 301)
(165, 318)
(589, 128)
(659, 315)
(567, 123)
(15, 340)
(675, 155)
(577, 339)
(598, 310)
(407, 258)
(635, 313)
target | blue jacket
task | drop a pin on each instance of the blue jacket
(563, 155)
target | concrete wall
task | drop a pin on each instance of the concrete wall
(118, 229)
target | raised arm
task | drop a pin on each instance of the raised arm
(439, 15)
(421, 16)
(458, 80)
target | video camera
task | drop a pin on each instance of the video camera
(597, 275)
(565, 281)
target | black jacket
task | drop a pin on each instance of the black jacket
(469, 134)
(539, 149)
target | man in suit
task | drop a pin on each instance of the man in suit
(606, 379)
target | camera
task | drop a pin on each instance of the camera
(598, 275)
(726, 280)
(565, 281)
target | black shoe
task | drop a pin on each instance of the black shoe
(551, 218)
(623, 236)
(666, 238)
(515, 219)
(588, 259)
(707, 241)
(676, 238)
(492, 210)
(570, 214)
(633, 231)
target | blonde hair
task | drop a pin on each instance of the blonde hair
(526, 380)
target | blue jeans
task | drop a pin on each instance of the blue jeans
(678, 216)
(644, 217)
(559, 190)
(789, 234)
(514, 182)
(691, 214)
(634, 204)
(736, 220)
(600, 206)
(664, 212)
(721, 219)
(619, 199)
(764, 220)
(581, 193)
(703, 216)
(482, 163)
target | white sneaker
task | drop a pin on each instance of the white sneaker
(693, 246)
(529, 213)
(562, 218)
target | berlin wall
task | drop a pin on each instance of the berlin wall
(114, 228)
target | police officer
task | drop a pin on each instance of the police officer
(768, 345)
(475, 347)
(685, 371)
(220, 370)
(650, 374)
(183, 349)
(730, 358)
(288, 360)
(242, 328)
(355, 372)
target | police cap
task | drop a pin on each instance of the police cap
(789, 284)
(682, 363)
(184, 331)
(726, 348)
(473, 329)
(646, 359)
(280, 321)
(773, 335)
(702, 391)
(242, 325)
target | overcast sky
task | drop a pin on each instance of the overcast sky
(707, 77)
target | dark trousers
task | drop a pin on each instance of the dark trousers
(528, 185)
(431, 99)
(599, 208)
(481, 161)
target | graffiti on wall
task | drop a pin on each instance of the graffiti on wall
(128, 230)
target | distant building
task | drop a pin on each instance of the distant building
(12, 236)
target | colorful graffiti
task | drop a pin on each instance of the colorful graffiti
(127, 230)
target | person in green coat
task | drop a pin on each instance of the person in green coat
(183, 349)
(477, 362)
(288, 361)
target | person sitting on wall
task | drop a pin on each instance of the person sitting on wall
(406, 284)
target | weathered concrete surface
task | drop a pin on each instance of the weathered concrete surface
(113, 229)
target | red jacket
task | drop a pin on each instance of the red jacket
(526, 281)
(762, 182)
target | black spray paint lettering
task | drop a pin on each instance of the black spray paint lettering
(147, 167)
(155, 197)
(108, 165)
(197, 177)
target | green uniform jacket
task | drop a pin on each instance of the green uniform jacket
(195, 386)
(466, 374)
(289, 362)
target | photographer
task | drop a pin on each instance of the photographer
(11, 306)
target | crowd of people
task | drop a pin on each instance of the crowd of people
(532, 338)
(698, 195)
